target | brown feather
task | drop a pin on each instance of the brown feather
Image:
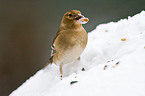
(70, 40)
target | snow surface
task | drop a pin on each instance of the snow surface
(119, 46)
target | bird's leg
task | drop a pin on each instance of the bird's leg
(61, 71)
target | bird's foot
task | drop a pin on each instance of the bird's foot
(61, 77)
(79, 58)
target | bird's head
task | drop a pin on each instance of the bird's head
(74, 16)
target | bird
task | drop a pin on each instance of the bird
(70, 40)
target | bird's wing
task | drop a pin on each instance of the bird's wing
(50, 61)
(53, 45)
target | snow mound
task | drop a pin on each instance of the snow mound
(113, 64)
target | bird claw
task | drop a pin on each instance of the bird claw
(61, 77)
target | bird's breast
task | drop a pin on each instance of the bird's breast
(69, 46)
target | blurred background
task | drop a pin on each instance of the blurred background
(27, 28)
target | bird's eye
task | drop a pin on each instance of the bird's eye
(70, 15)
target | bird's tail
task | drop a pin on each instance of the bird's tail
(50, 61)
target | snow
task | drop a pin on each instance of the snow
(114, 63)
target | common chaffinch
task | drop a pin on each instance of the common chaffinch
(70, 40)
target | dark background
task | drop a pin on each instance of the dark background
(27, 28)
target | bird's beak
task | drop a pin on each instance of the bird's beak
(82, 19)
